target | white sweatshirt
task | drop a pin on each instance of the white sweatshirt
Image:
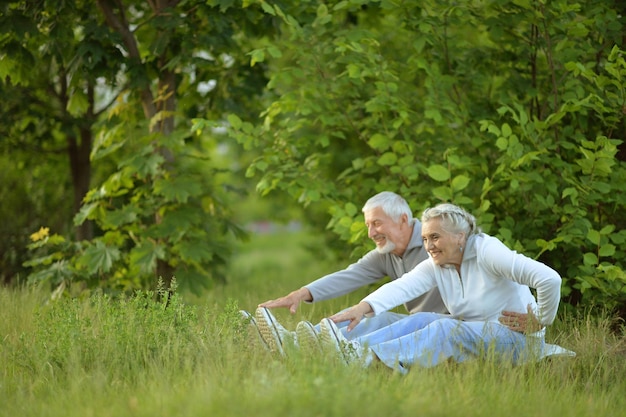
(493, 279)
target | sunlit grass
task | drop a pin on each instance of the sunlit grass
(271, 265)
(104, 357)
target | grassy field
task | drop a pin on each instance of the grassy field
(100, 357)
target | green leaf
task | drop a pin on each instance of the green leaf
(570, 191)
(177, 189)
(593, 236)
(387, 159)
(234, 121)
(460, 182)
(351, 209)
(192, 279)
(322, 10)
(506, 130)
(354, 71)
(194, 251)
(502, 143)
(85, 212)
(590, 259)
(143, 257)
(99, 258)
(144, 165)
(442, 193)
(606, 230)
(341, 5)
(379, 142)
(260, 165)
(258, 55)
(433, 114)
(57, 272)
(116, 218)
(78, 104)
(491, 128)
(607, 250)
(178, 222)
(312, 195)
(267, 8)
(438, 173)
(274, 51)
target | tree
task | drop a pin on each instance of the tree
(161, 211)
(512, 109)
(51, 65)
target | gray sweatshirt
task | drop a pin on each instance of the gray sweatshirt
(375, 266)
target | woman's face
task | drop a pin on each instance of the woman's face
(443, 247)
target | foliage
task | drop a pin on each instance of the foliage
(146, 328)
(48, 66)
(192, 221)
(28, 189)
(512, 109)
(160, 204)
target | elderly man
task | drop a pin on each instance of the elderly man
(399, 249)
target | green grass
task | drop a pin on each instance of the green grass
(103, 357)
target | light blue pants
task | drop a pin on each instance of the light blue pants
(428, 339)
(368, 325)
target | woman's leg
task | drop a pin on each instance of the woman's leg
(370, 324)
(448, 338)
(407, 325)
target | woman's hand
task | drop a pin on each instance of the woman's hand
(520, 322)
(354, 314)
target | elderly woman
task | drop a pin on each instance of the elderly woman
(484, 285)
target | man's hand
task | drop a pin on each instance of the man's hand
(353, 314)
(290, 301)
(520, 322)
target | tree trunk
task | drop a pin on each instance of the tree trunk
(80, 165)
(166, 103)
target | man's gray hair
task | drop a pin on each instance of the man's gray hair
(391, 203)
(454, 219)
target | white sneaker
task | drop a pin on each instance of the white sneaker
(350, 351)
(308, 339)
(253, 329)
(272, 332)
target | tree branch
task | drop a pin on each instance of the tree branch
(121, 27)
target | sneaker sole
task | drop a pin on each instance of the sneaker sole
(254, 328)
(269, 331)
(308, 339)
(330, 339)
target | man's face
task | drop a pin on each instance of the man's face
(383, 230)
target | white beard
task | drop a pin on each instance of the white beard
(388, 248)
